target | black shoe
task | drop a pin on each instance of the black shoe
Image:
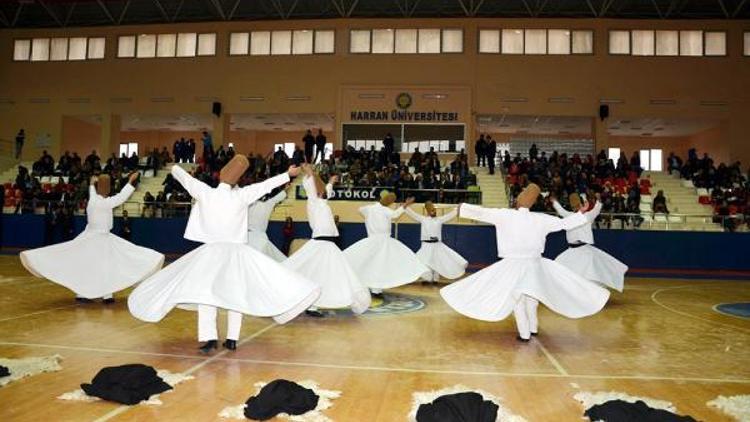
(314, 314)
(534, 334)
(521, 339)
(108, 301)
(230, 344)
(206, 348)
(83, 300)
(378, 295)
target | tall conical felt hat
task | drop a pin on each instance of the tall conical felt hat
(528, 196)
(234, 169)
(387, 198)
(103, 185)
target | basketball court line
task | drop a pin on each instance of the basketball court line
(551, 358)
(222, 357)
(38, 312)
(685, 314)
(122, 409)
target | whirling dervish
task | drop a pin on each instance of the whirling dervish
(321, 261)
(224, 272)
(436, 255)
(258, 215)
(381, 261)
(582, 257)
(97, 263)
(523, 278)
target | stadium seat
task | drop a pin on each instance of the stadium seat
(702, 192)
(660, 218)
(644, 207)
(687, 183)
(647, 199)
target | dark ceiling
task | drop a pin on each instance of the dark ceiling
(68, 13)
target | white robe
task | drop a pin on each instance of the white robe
(588, 260)
(492, 293)
(224, 272)
(257, 224)
(381, 261)
(437, 255)
(96, 263)
(323, 262)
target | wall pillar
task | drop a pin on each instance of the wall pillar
(221, 128)
(110, 137)
(601, 135)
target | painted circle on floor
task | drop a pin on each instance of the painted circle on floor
(739, 309)
(388, 304)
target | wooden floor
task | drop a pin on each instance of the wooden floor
(660, 338)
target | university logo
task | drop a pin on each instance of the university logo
(403, 100)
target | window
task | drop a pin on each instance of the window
(406, 41)
(643, 43)
(40, 49)
(207, 44)
(166, 45)
(186, 44)
(583, 42)
(126, 46)
(667, 43)
(239, 43)
(558, 41)
(535, 41)
(325, 42)
(77, 49)
(691, 43)
(146, 46)
(302, 42)
(746, 41)
(715, 43)
(489, 41)
(129, 148)
(651, 159)
(22, 50)
(260, 43)
(613, 153)
(429, 41)
(58, 49)
(512, 41)
(619, 42)
(287, 147)
(281, 43)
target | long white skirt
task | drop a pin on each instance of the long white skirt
(383, 262)
(94, 264)
(442, 259)
(596, 265)
(231, 276)
(491, 294)
(323, 262)
(259, 241)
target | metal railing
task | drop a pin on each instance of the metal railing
(442, 196)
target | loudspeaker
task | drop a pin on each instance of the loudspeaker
(603, 111)
(216, 109)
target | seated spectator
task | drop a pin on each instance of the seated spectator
(659, 204)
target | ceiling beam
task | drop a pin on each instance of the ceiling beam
(49, 11)
(339, 8)
(69, 14)
(605, 7)
(528, 8)
(414, 8)
(543, 5)
(162, 10)
(277, 6)
(591, 7)
(4, 19)
(349, 12)
(724, 9)
(123, 12)
(466, 10)
(178, 10)
(105, 10)
(219, 10)
(738, 9)
(234, 10)
(658, 10)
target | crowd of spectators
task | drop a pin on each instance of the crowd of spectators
(725, 187)
(615, 184)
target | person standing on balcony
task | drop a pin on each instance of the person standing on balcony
(491, 153)
(480, 151)
(20, 138)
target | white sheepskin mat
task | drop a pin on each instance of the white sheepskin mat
(737, 407)
(170, 378)
(26, 367)
(423, 397)
(325, 401)
(589, 399)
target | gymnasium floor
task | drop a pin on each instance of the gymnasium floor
(660, 339)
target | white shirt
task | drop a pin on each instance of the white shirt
(521, 233)
(581, 234)
(319, 214)
(259, 212)
(378, 218)
(99, 209)
(329, 191)
(431, 227)
(220, 214)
